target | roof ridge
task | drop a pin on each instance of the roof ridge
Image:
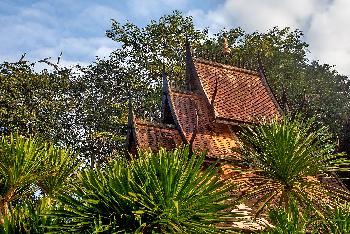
(221, 65)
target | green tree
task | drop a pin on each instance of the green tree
(36, 102)
(159, 43)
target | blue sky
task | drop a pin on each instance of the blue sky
(44, 28)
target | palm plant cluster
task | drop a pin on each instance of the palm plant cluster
(47, 189)
(292, 175)
(44, 190)
(32, 172)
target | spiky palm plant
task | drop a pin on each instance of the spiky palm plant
(288, 157)
(290, 220)
(30, 169)
(58, 170)
(20, 161)
(166, 192)
(27, 217)
(337, 221)
(294, 220)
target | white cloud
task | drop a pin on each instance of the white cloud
(325, 23)
(262, 15)
(103, 51)
(329, 36)
(78, 47)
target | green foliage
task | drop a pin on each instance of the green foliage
(28, 217)
(337, 220)
(290, 220)
(167, 192)
(20, 161)
(57, 170)
(35, 102)
(101, 93)
(295, 220)
(159, 43)
(289, 158)
(30, 169)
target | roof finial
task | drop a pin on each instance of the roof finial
(226, 49)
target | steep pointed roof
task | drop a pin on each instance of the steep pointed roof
(194, 117)
(240, 95)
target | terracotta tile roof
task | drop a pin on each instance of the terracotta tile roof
(242, 95)
(153, 136)
(217, 138)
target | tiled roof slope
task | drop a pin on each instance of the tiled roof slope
(241, 95)
(153, 136)
(217, 138)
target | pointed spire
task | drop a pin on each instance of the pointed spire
(130, 112)
(190, 70)
(188, 49)
(165, 87)
(131, 141)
